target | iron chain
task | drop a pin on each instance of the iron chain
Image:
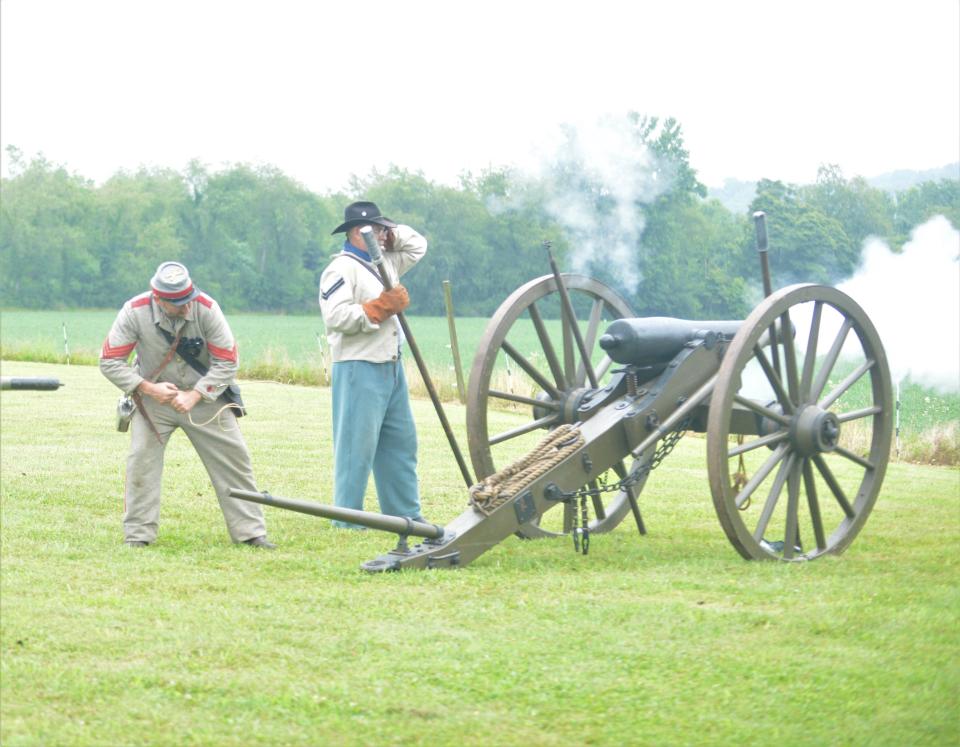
(666, 446)
(581, 534)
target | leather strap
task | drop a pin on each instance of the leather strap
(138, 400)
(363, 264)
(170, 353)
(166, 359)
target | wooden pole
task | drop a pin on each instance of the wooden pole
(374, 249)
(454, 347)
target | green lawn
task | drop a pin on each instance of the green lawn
(666, 639)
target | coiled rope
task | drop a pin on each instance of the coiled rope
(495, 490)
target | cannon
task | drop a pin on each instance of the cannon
(794, 402)
(30, 383)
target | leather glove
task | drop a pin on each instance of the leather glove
(387, 304)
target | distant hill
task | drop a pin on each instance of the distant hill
(896, 181)
(737, 195)
(734, 195)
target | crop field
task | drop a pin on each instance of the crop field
(669, 638)
(265, 340)
(293, 349)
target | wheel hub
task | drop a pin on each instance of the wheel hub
(570, 401)
(815, 431)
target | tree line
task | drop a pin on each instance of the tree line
(257, 240)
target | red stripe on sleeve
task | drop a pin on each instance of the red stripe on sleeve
(120, 351)
(205, 300)
(143, 300)
(223, 353)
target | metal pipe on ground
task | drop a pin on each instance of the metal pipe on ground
(30, 383)
(383, 522)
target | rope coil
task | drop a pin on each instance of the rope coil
(492, 492)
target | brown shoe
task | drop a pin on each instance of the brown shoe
(261, 542)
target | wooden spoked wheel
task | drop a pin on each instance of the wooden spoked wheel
(528, 363)
(820, 410)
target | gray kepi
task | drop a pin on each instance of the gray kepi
(172, 283)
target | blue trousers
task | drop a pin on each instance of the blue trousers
(373, 429)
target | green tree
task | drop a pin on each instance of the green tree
(136, 227)
(918, 204)
(806, 245)
(254, 236)
(47, 255)
(862, 210)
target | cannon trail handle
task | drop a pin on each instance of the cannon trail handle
(383, 522)
(373, 248)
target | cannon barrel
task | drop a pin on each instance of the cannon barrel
(395, 524)
(31, 383)
(653, 340)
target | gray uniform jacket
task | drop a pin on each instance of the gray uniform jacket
(347, 283)
(136, 327)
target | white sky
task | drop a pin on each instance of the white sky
(324, 90)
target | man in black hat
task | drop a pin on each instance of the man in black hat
(373, 425)
(186, 357)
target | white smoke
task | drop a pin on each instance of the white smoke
(595, 176)
(913, 299)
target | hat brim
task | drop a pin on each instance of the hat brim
(380, 220)
(179, 301)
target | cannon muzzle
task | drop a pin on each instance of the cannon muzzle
(31, 383)
(395, 524)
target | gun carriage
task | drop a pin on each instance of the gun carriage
(794, 401)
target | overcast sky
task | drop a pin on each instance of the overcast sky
(326, 90)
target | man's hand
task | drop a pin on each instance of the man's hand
(389, 240)
(163, 392)
(185, 401)
(387, 304)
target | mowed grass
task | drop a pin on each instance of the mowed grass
(670, 638)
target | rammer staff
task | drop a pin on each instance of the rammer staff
(373, 247)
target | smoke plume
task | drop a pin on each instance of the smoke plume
(593, 181)
(913, 298)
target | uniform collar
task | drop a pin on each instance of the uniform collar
(349, 248)
(161, 319)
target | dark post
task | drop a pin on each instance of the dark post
(571, 319)
(760, 222)
(454, 346)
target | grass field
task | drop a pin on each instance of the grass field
(665, 639)
(292, 349)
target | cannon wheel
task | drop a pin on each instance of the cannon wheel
(555, 368)
(821, 405)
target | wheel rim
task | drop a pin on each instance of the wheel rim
(821, 407)
(547, 377)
